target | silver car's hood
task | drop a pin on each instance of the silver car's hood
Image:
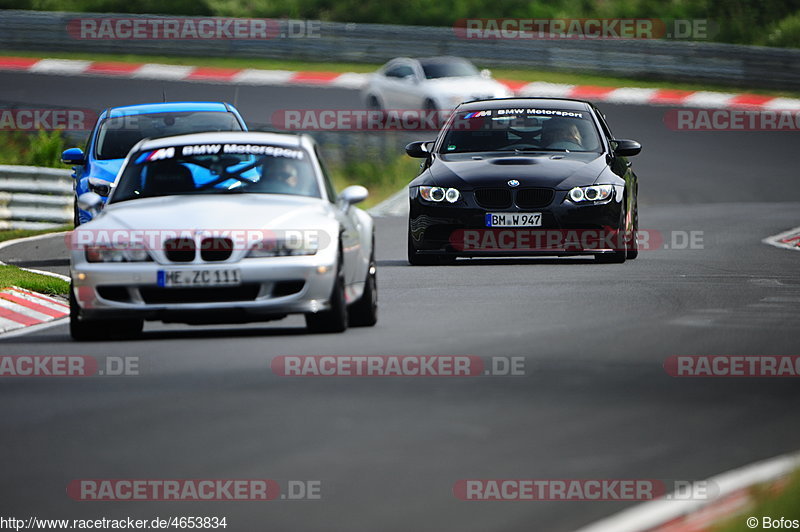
(216, 212)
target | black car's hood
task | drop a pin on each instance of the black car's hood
(553, 170)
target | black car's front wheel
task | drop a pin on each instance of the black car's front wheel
(416, 259)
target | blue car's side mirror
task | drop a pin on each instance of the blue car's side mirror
(73, 156)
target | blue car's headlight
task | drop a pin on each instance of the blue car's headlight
(593, 193)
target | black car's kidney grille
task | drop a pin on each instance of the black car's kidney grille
(528, 198)
(179, 249)
(215, 294)
(493, 198)
(216, 249)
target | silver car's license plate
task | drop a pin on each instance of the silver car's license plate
(178, 278)
(513, 219)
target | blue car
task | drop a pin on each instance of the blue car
(119, 128)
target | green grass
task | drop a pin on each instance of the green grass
(11, 234)
(784, 504)
(13, 276)
(499, 73)
(382, 178)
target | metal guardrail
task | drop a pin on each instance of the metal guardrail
(34, 198)
(728, 64)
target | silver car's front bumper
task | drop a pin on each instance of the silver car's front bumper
(269, 288)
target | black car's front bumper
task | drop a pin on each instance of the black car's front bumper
(566, 228)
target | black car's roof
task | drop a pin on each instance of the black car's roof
(542, 103)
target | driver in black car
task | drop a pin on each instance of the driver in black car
(561, 134)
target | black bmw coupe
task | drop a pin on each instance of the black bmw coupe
(523, 176)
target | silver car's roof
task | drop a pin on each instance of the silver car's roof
(276, 139)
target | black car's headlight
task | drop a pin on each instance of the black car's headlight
(117, 253)
(594, 193)
(439, 194)
(283, 248)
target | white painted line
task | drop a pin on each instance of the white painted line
(253, 76)
(9, 325)
(34, 238)
(775, 240)
(652, 514)
(713, 100)
(158, 71)
(36, 298)
(541, 88)
(25, 311)
(33, 328)
(350, 80)
(630, 95)
(60, 66)
(782, 103)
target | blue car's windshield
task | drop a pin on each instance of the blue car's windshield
(117, 135)
(518, 130)
(217, 169)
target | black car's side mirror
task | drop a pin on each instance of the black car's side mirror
(420, 149)
(626, 148)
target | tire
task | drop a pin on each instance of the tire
(333, 320)
(76, 219)
(364, 312)
(415, 259)
(373, 104)
(633, 250)
(89, 330)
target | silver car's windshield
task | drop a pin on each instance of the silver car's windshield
(448, 69)
(519, 130)
(118, 134)
(217, 169)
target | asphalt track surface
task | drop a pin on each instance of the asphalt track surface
(595, 401)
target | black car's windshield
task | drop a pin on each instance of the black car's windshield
(119, 134)
(520, 130)
(448, 69)
(217, 169)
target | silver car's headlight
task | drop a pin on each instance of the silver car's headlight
(283, 248)
(117, 253)
(439, 194)
(594, 193)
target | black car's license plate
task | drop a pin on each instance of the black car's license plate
(513, 219)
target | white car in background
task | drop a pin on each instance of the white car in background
(435, 83)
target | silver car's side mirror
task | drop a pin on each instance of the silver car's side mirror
(353, 194)
(90, 202)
